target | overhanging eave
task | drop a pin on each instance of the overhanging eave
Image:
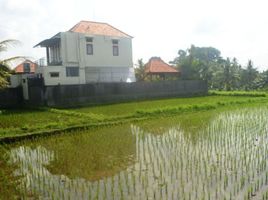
(48, 42)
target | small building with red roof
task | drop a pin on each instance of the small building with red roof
(26, 66)
(88, 52)
(156, 68)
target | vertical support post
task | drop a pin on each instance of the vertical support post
(48, 61)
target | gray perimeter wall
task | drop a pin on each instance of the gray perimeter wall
(11, 97)
(100, 93)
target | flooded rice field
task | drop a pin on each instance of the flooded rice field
(226, 158)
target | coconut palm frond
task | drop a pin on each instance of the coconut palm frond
(3, 68)
(5, 63)
(8, 61)
(5, 44)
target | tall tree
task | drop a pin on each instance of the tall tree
(226, 74)
(184, 63)
(140, 70)
(206, 63)
(249, 75)
(197, 62)
(262, 80)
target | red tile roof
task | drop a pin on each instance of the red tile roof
(157, 65)
(20, 68)
(98, 28)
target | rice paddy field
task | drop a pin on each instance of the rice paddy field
(213, 147)
(34, 120)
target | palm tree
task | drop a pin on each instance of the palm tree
(227, 76)
(140, 71)
(5, 63)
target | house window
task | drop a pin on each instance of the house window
(72, 71)
(115, 42)
(89, 45)
(26, 67)
(115, 51)
(54, 74)
(115, 48)
(89, 49)
(89, 39)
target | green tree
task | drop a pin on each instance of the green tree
(248, 76)
(197, 62)
(206, 63)
(5, 63)
(225, 75)
(140, 71)
(262, 80)
(184, 64)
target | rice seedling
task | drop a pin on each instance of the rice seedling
(225, 159)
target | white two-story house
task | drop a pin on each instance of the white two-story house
(88, 52)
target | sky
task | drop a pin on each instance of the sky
(238, 28)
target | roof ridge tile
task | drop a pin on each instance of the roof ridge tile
(99, 28)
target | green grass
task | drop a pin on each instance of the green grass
(123, 109)
(13, 122)
(239, 93)
(38, 120)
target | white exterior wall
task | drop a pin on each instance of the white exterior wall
(73, 54)
(15, 80)
(103, 52)
(25, 91)
(62, 79)
(74, 50)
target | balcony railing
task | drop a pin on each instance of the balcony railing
(55, 63)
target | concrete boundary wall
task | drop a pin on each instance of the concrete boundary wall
(11, 97)
(100, 93)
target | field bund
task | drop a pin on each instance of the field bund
(32, 122)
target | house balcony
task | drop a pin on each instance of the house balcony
(54, 63)
(53, 50)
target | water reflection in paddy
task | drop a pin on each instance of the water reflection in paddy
(226, 161)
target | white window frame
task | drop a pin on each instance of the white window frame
(89, 46)
(72, 71)
(115, 47)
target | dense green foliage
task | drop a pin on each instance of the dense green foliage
(4, 74)
(207, 64)
(140, 71)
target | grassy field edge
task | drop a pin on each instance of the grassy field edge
(98, 122)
